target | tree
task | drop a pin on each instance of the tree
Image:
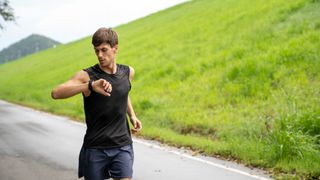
(6, 12)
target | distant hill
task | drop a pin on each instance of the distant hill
(29, 45)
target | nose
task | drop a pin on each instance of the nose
(99, 54)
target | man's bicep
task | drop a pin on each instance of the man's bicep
(80, 77)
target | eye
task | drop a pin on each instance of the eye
(104, 50)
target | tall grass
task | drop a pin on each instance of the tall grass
(238, 79)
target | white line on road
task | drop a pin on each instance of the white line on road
(199, 159)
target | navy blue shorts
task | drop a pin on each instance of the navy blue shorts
(99, 164)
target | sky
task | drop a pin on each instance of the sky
(70, 20)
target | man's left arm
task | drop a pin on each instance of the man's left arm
(132, 115)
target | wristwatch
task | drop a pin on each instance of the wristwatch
(90, 85)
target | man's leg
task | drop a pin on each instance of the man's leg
(95, 165)
(121, 166)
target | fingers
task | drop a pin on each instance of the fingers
(103, 87)
(108, 87)
(134, 130)
(137, 126)
(104, 93)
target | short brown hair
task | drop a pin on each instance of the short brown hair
(105, 35)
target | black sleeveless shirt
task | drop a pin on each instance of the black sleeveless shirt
(107, 124)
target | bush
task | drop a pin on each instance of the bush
(288, 141)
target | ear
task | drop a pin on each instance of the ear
(115, 48)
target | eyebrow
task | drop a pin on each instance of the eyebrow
(100, 48)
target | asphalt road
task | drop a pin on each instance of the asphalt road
(35, 145)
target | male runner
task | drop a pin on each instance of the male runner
(107, 148)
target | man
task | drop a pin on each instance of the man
(107, 148)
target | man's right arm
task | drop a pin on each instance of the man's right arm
(77, 84)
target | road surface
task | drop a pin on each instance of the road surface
(36, 145)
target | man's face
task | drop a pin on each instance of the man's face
(105, 53)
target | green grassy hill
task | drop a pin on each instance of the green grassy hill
(234, 78)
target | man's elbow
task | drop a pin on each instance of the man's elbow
(54, 94)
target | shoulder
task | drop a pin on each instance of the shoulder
(91, 69)
(82, 76)
(128, 69)
(131, 73)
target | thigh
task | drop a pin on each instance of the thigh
(96, 163)
(121, 165)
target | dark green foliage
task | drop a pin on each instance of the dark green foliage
(6, 12)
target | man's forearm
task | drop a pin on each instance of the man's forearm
(130, 110)
(137, 125)
(64, 91)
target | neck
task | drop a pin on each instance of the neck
(109, 69)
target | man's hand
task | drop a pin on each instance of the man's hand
(102, 86)
(136, 123)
